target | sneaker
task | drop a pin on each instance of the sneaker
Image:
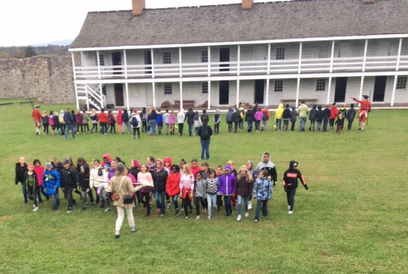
(132, 230)
(186, 218)
(198, 217)
(161, 215)
(290, 212)
(107, 209)
(69, 210)
(256, 220)
(168, 206)
(117, 236)
(239, 218)
(83, 208)
(246, 214)
(35, 209)
(209, 217)
(177, 213)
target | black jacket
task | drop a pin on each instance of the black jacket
(319, 115)
(204, 116)
(68, 178)
(125, 117)
(326, 113)
(83, 179)
(159, 179)
(351, 114)
(236, 116)
(20, 173)
(250, 116)
(313, 114)
(286, 113)
(204, 132)
(291, 176)
(243, 187)
(190, 117)
(58, 167)
(134, 172)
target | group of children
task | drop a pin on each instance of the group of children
(167, 182)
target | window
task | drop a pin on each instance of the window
(204, 56)
(168, 89)
(402, 82)
(321, 85)
(278, 85)
(101, 60)
(205, 87)
(167, 57)
(280, 53)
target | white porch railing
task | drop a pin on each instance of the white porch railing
(288, 66)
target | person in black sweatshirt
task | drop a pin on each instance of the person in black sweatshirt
(286, 117)
(293, 117)
(250, 118)
(326, 117)
(319, 117)
(69, 183)
(351, 114)
(290, 183)
(235, 118)
(190, 120)
(312, 118)
(21, 169)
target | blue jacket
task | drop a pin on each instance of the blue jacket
(51, 181)
(262, 189)
(326, 113)
(69, 118)
(159, 119)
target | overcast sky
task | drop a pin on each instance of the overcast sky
(27, 22)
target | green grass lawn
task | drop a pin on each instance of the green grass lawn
(353, 219)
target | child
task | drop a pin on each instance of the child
(235, 119)
(150, 162)
(119, 121)
(103, 122)
(194, 167)
(30, 181)
(172, 120)
(134, 170)
(85, 122)
(233, 170)
(258, 118)
(351, 114)
(61, 121)
(51, 183)
(339, 123)
(45, 122)
(293, 117)
(143, 116)
(326, 117)
(51, 122)
(21, 170)
(243, 189)
(227, 181)
(79, 120)
(319, 117)
(212, 188)
(200, 193)
(159, 176)
(286, 117)
(250, 167)
(111, 122)
(69, 182)
(145, 178)
(278, 117)
(196, 122)
(166, 118)
(229, 117)
(333, 115)
(56, 123)
(125, 121)
(241, 116)
(167, 167)
(218, 175)
(94, 118)
(265, 117)
(186, 189)
(98, 179)
(262, 193)
(135, 123)
(312, 118)
(290, 183)
(134, 182)
(204, 169)
(217, 121)
(83, 179)
(159, 121)
(173, 186)
(39, 170)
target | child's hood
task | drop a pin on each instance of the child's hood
(168, 160)
(108, 157)
(136, 163)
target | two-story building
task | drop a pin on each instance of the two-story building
(320, 51)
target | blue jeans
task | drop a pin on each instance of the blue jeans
(24, 188)
(152, 127)
(54, 200)
(190, 129)
(69, 127)
(240, 198)
(123, 127)
(278, 124)
(261, 204)
(160, 197)
(249, 126)
(325, 122)
(302, 123)
(175, 201)
(228, 207)
(205, 147)
(212, 202)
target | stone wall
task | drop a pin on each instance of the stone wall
(46, 78)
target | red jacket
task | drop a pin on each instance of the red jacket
(364, 105)
(334, 112)
(103, 118)
(37, 116)
(39, 172)
(173, 184)
(195, 169)
(119, 119)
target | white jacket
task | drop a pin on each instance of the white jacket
(95, 180)
(181, 116)
(166, 117)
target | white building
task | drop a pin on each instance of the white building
(320, 51)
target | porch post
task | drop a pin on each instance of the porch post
(209, 61)
(396, 68)
(328, 90)
(267, 92)
(127, 96)
(365, 57)
(181, 95)
(300, 57)
(99, 64)
(154, 93)
(100, 90)
(125, 63)
(237, 93)
(239, 60)
(331, 70)
(297, 92)
(73, 65)
(394, 87)
(180, 63)
(152, 57)
(361, 87)
(209, 95)
(268, 64)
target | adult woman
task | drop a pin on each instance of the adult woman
(122, 186)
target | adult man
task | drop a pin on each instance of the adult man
(267, 165)
(365, 108)
(205, 133)
(69, 124)
(303, 111)
(36, 114)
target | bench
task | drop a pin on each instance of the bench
(311, 100)
(6, 104)
(186, 103)
(23, 103)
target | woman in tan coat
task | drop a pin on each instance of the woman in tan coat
(122, 185)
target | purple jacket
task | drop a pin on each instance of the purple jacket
(227, 185)
(258, 115)
(111, 173)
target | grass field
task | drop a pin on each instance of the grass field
(353, 219)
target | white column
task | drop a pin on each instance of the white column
(125, 63)
(297, 92)
(365, 56)
(77, 103)
(73, 65)
(87, 99)
(180, 63)
(361, 87)
(209, 61)
(332, 57)
(268, 64)
(239, 60)
(154, 93)
(127, 96)
(237, 93)
(300, 58)
(396, 68)
(99, 64)
(328, 90)
(267, 92)
(152, 57)
(181, 95)
(209, 94)
(100, 90)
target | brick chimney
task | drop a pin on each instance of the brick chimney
(247, 4)
(138, 6)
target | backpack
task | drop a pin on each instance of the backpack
(205, 134)
(265, 116)
(134, 122)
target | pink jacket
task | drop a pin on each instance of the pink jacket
(172, 119)
(258, 115)
(119, 119)
(51, 121)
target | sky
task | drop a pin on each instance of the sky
(29, 22)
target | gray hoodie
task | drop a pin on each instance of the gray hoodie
(200, 188)
(230, 114)
(269, 166)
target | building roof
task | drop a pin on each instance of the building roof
(229, 23)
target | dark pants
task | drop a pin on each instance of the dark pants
(197, 201)
(181, 126)
(241, 124)
(293, 126)
(205, 148)
(80, 126)
(228, 206)
(71, 200)
(331, 123)
(45, 129)
(108, 199)
(190, 128)
(219, 202)
(187, 204)
(112, 128)
(24, 189)
(229, 126)
(249, 126)
(285, 124)
(290, 196)
(312, 126)
(350, 124)
(86, 127)
(216, 128)
(160, 197)
(41, 191)
(144, 126)
(68, 128)
(257, 124)
(261, 204)
(94, 127)
(325, 122)
(236, 126)
(104, 128)
(146, 202)
(136, 130)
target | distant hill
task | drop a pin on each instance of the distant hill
(57, 43)
(29, 51)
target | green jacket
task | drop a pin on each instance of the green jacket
(303, 110)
